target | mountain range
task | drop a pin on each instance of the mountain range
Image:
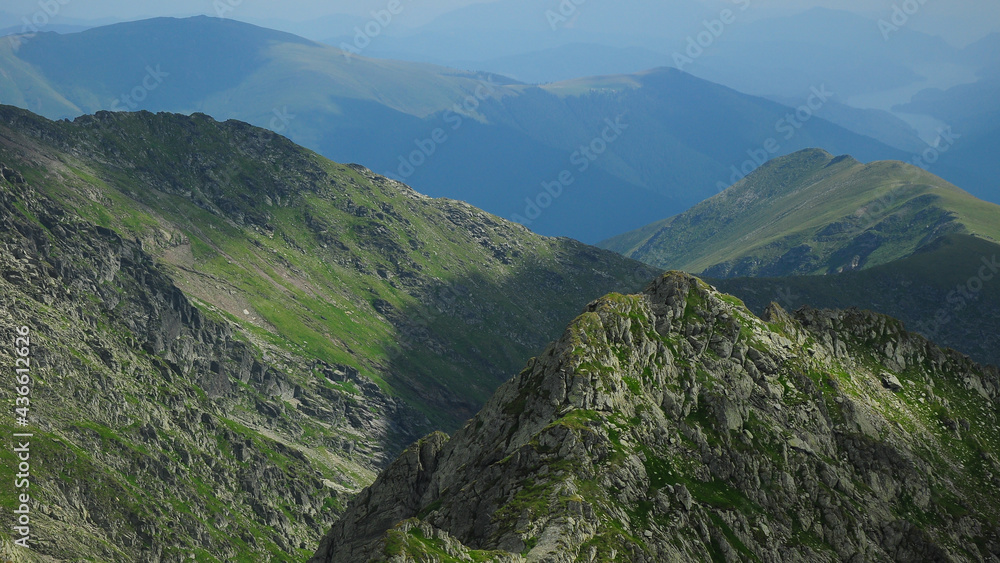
(446, 132)
(231, 347)
(234, 336)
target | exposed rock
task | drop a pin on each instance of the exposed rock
(159, 430)
(236, 334)
(891, 382)
(633, 438)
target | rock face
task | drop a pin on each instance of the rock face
(948, 292)
(159, 430)
(232, 335)
(676, 426)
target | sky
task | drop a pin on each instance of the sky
(958, 21)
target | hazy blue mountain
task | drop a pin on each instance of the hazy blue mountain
(57, 28)
(812, 213)
(971, 115)
(781, 56)
(607, 20)
(317, 29)
(481, 138)
(877, 124)
(756, 52)
(570, 61)
(109, 62)
(985, 52)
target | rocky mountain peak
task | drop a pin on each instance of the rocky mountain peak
(675, 425)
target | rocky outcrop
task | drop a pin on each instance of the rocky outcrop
(160, 430)
(676, 426)
(954, 306)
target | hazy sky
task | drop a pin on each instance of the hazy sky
(959, 21)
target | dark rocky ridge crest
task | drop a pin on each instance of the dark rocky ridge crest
(676, 426)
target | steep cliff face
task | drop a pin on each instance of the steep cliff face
(676, 426)
(159, 431)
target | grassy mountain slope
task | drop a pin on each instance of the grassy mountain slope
(683, 133)
(811, 213)
(248, 221)
(253, 325)
(158, 431)
(947, 291)
(675, 425)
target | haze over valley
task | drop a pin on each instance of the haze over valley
(499, 280)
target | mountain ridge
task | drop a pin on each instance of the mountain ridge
(675, 425)
(945, 291)
(812, 213)
(258, 327)
(435, 128)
